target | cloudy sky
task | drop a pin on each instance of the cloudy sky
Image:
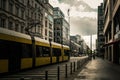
(83, 16)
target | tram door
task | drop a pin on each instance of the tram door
(58, 51)
(14, 57)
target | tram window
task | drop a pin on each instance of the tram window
(66, 52)
(26, 50)
(3, 50)
(56, 52)
(9, 49)
(38, 51)
(46, 51)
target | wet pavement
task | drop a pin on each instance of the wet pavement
(99, 69)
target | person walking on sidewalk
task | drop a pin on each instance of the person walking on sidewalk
(93, 56)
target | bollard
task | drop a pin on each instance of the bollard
(66, 71)
(74, 66)
(58, 78)
(77, 64)
(71, 68)
(81, 62)
(46, 75)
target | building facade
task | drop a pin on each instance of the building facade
(100, 34)
(78, 45)
(75, 48)
(28, 17)
(112, 30)
(61, 28)
(12, 15)
(48, 28)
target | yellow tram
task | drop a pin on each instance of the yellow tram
(17, 52)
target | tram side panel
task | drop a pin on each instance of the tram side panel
(10, 56)
(42, 55)
(66, 54)
(26, 56)
(3, 57)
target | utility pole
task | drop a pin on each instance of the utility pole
(68, 12)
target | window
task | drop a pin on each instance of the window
(31, 14)
(58, 40)
(39, 16)
(38, 30)
(38, 51)
(45, 38)
(11, 7)
(50, 25)
(22, 29)
(28, 2)
(28, 13)
(22, 13)
(56, 52)
(66, 52)
(45, 23)
(17, 11)
(46, 51)
(3, 4)
(35, 16)
(2, 22)
(26, 51)
(16, 27)
(10, 49)
(35, 5)
(50, 34)
(46, 32)
(4, 49)
(58, 34)
(58, 28)
(10, 25)
(58, 21)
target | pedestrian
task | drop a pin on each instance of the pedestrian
(93, 56)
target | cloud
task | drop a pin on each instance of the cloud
(83, 26)
(83, 18)
(78, 4)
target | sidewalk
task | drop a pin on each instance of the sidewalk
(98, 69)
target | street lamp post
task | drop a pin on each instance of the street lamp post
(70, 53)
